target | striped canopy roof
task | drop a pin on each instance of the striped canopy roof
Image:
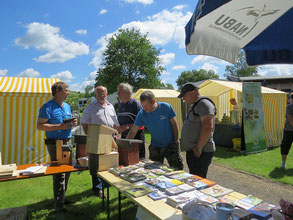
(24, 86)
(159, 93)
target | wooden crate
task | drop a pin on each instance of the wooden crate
(99, 139)
(107, 161)
(129, 156)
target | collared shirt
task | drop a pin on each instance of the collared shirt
(98, 114)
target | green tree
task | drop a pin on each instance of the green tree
(72, 99)
(89, 92)
(130, 57)
(241, 69)
(168, 86)
(195, 76)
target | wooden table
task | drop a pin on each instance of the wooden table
(158, 209)
(49, 171)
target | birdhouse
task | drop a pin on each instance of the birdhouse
(64, 153)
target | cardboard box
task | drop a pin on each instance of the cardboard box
(107, 161)
(99, 139)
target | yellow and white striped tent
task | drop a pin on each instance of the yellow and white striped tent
(165, 95)
(274, 105)
(20, 101)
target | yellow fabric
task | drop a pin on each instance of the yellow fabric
(165, 95)
(20, 101)
(274, 105)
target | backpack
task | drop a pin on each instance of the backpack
(198, 100)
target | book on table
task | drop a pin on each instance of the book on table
(262, 210)
(174, 190)
(198, 185)
(216, 191)
(156, 195)
(138, 191)
(133, 177)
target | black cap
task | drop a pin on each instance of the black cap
(187, 87)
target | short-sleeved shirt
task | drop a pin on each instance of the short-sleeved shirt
(97, 114)
(158, 124)
(55, 115)
(289, 111)
(192, 126)
(127, 113)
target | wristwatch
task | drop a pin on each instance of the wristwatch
(197, 149)
(127, 127)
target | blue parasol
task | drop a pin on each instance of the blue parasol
(262, 28)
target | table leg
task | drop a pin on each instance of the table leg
(119, 205)
(103, 187)
(108, 199)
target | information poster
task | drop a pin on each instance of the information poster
(254, 132)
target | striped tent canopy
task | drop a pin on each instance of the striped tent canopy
(165, 95)
(20, 101)
(274, 105)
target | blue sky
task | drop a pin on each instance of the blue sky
(66, 38)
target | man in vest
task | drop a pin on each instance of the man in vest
(197, 130)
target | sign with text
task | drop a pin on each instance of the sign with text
(254, 132)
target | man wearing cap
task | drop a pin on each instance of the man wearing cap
(197, 130)
(160, 120)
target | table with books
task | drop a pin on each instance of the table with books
(162, 192)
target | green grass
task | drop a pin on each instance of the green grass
(265, 164)
(37, 195)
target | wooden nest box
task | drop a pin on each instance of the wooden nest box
(64, 153)
(99, 139)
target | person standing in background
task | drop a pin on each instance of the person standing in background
(197, 130)
(288, 132)
(127, 110)
(50, 120)
(98, 112)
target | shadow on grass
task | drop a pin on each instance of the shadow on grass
(279, 172)
(83, 206)
(226, 152)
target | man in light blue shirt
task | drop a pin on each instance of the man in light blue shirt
(160, 120)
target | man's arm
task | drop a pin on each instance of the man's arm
(84, 127)
(290, 119)
(175, 130)
(132, 132)
(44, 126)
(207, 122)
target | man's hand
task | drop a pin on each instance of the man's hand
(196, 151)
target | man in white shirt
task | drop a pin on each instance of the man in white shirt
(98, 112)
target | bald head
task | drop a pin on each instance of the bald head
(101, 94)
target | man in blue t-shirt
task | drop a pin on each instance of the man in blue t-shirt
(128, 108)
(160, 120)
(50, 120)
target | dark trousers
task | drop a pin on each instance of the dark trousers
(93, 167)
(286, 142)
(59, 181)
(170, 152)
(199, 165)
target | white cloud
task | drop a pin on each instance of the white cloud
(208, 59)
(167, 58)
(162, 28)
(30, 72)
(179, 7)
(88, 81)
(103, 11)
(165, 73)
(208, 66)
(145, 2)
(81, 32)
(275, 70)
(45, 37)
(3, 72)
(64, 76)
(179, 67)
(137, 12)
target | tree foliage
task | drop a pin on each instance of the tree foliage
(195, 76)
(240, 69)
(130, 57)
